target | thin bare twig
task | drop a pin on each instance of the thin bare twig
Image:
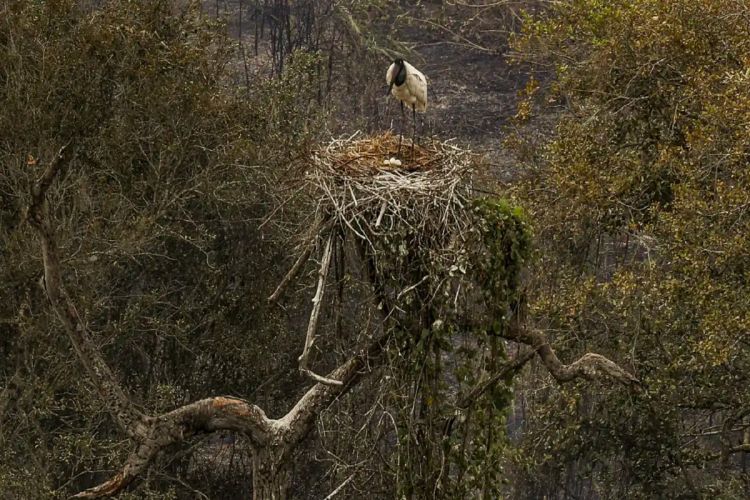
(293, 272)
(339, 488)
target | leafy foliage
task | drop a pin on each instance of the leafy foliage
(505, 251)
(156, 222)
(447, 348)
(640, 198)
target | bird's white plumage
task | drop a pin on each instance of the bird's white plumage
(413, 92)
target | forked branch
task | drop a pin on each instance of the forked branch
(206, 415)
(152, 435)
(225, 413)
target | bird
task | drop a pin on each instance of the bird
(407, 84)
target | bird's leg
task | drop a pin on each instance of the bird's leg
(414, 130)
(401, 131)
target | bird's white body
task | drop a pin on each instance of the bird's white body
(413, 92)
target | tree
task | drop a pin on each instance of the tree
(640, 196)
(134, 173)
(153, 209)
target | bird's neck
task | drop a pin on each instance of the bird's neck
(400, 76)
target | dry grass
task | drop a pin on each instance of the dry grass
(369, 155)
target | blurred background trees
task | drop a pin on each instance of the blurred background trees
(157, 218)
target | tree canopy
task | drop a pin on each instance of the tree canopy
(639, 194)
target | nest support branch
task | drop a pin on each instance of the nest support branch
(359, 190)
(391, 210)
(312, 325)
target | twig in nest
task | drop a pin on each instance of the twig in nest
(382, 212)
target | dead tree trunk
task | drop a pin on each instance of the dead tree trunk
(271, 475)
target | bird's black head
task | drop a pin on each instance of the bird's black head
(400, 77)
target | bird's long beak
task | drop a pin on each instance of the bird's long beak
(390, 87)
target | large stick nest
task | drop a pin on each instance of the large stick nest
(414, 224)
(361, 188)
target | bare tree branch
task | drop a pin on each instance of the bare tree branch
(206, 415)
(136, 463)
(325, 265)
(293, 272)
(317, 229)
(588, 366)
(152, 435)
(232, 414)
(301, 418)
(120, 406)
(339, 488)
(320, 378)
